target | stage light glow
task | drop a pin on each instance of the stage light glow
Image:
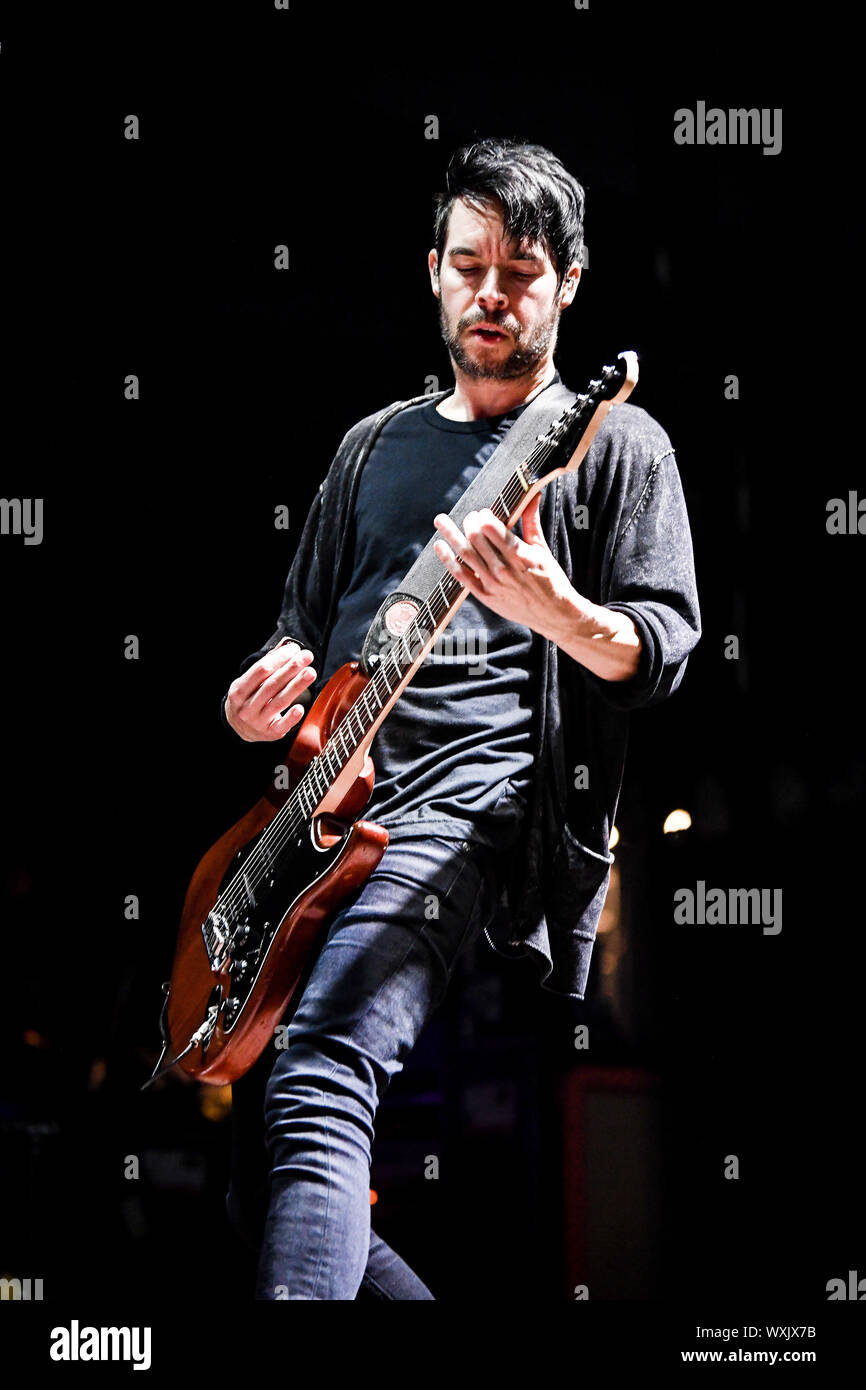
(215, 1103)
(677, 820)
(614, 839)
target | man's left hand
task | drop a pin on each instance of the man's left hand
(519, 579)
(522, 582)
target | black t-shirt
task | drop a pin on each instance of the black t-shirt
(454, 755)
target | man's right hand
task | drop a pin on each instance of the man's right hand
(256, 700)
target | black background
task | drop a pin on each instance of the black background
(156, 257)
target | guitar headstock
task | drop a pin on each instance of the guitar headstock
(569, 437)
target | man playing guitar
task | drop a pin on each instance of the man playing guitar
(554, 644)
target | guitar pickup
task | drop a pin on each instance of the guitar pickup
(215, 934)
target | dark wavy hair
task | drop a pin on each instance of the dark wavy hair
(540, 199)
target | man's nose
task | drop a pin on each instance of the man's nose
(490, 294)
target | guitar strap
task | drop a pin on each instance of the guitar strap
(401, 606)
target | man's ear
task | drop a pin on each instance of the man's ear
(569, 285)
(433, 267)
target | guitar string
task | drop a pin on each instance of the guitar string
(255, 869)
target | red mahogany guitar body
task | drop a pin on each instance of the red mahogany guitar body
(252, 917)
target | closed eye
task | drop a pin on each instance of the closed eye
(473, 269)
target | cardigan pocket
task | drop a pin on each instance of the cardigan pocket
(577, 886)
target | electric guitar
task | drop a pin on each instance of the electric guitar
(263, 894)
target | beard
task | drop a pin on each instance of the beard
(524, 356)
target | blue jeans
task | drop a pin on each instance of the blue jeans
(383, 969)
